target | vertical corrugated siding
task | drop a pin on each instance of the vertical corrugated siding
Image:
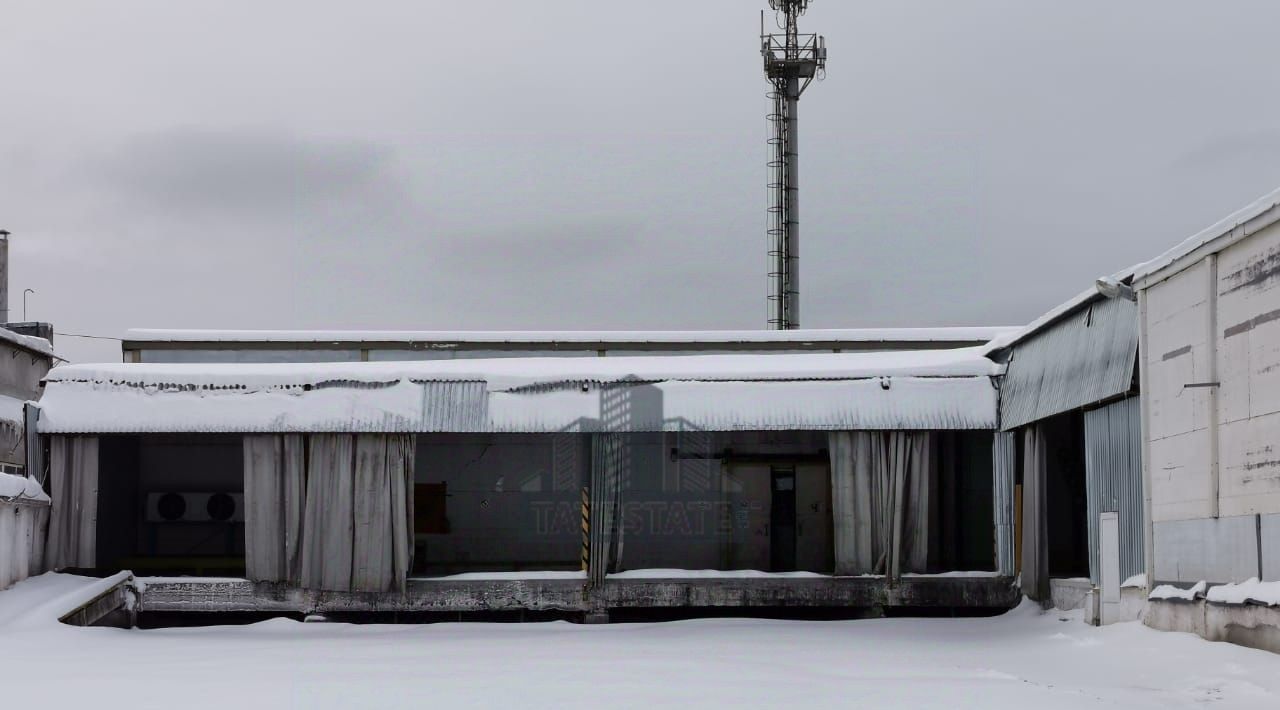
(1005, 476)
(1084, 358)
(1113, 470)
(34, 454)
(454, 406)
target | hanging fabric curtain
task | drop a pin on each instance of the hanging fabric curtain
(382, 509)
(358, 515)
(274, 497)
(1005, 474)
(882, 498)
(873, 455)
(401, 453)
(913, 458)
(861, 504)
(328, 520)
(73, 517)
(1035, 530)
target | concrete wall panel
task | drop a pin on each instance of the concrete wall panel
(1249, 466)
(1248, 311)
(1216, 550)
(1175, 409)
(1234, 364)
(1179, 417)
(1173, 295)
(1270, 529)
(1248, 340)
(1180, 477)
(21, 372)
(1177, 355)
(1264, 365)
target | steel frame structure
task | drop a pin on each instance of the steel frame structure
(791, 62)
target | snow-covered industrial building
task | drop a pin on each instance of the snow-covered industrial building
(1146, 423)
(1070, 419)
(579, 484)
(1210, 326)
(1116, 453)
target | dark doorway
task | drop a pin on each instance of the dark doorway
(1068, 533)
(782, 521)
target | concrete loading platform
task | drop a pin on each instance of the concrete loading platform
(871, 596)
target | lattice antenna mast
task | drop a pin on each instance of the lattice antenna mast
(791, 62)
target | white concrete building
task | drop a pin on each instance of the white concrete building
(1210, 318)
(1210, 341)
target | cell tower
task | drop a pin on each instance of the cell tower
(791, 62)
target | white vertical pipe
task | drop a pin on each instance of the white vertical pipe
(1211, 343)
(1144, 384)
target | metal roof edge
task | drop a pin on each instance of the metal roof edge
(1248, 220)
(615, 339)
(1052, 317)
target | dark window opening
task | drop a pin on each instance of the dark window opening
(171, 505)
(498, 502)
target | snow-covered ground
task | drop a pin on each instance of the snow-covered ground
(1026, 660)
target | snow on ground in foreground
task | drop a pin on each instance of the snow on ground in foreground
(1025, 659)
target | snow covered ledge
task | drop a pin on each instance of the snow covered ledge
(1247, 614)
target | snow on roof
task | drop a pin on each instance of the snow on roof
(28, 342)
(510, 373)
(1146, 270)
(21, 488)
(1263, 206)
(869, 335)
(12, 409)
(932, 389)
(1057, 313)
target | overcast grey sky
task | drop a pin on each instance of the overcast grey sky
(601, 163)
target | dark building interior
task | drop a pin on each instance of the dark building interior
(693, 500)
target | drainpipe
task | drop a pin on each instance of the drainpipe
(1211, 343)
(1144, 395)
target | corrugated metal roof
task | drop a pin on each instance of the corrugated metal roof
(915, 391)
(906, 403)
(403, 406)
(1008, 339)
(1085, 357)
(520, 372)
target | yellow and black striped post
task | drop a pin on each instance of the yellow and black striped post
(586, 529)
